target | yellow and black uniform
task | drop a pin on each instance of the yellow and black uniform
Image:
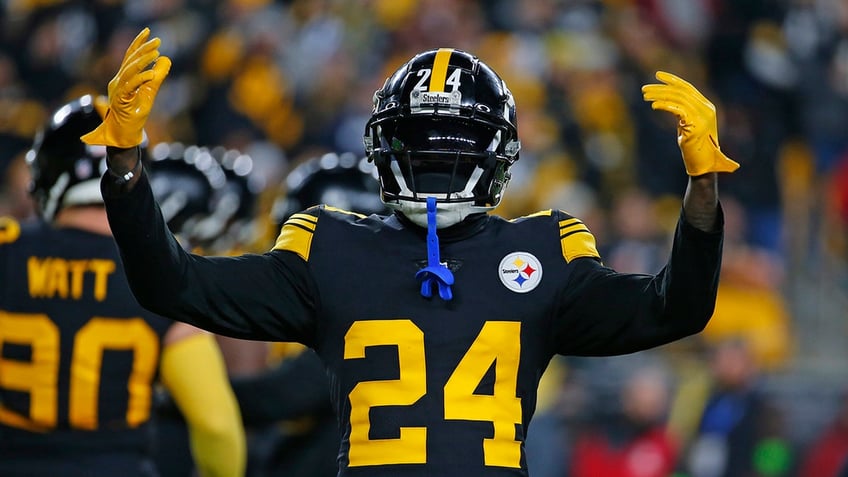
(78, 356)
(424, 386)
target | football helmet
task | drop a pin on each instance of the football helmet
(232, 224)
(443, 125)
(66, 171)
(343, 181)
(184, 181)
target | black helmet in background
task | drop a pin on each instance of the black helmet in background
(65, 171)
(343, 181)
(184, 182)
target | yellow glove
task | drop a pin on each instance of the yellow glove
(131, 94)
(697, 133)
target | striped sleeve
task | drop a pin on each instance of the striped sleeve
(297, 232)
(576, 239)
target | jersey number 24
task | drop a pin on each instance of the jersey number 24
(496, 343)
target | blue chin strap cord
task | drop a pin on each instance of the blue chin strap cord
(435, 273)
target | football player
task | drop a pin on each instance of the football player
(436, 322)
(79, 357)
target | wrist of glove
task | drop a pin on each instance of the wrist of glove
(697, 130)
(702, 155)
(116, 133)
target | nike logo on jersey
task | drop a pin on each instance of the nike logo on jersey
(452, 264)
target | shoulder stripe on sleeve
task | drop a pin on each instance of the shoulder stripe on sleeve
(576, 240)
(296, 235)
(310, 219)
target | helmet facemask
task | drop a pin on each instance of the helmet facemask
(456, 146)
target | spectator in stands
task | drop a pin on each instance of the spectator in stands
(741, 431)
(634, 443)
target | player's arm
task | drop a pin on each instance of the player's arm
(604, 312)
(697, 137)
(619, 313)
(267, 297)
(192, 369)
(261, 297)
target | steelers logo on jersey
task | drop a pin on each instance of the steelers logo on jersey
(521, 272)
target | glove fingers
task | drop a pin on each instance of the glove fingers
(681, 103)
(139, 65)
(670, 107)
(665, 94)
(674, 80)
(135, 82)
(660, 91)
(162, 67)
(693, 107)
(149, 81)
(139, 39)
(147, 48)
(160, 71)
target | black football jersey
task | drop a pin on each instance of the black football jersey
(78, 354)
(425, 386)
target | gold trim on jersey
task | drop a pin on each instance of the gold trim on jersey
(440, 70)
(342, 211)
(296, 235)
(541, 213)
(10, 229)
(576, 240)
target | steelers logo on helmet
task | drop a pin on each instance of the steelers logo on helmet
(443, 126)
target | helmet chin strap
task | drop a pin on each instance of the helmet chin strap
(447, 213)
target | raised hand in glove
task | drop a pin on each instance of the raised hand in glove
(131, 94)
(697, 133)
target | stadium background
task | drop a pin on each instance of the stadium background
(284, 81)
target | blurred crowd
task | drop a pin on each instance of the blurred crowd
(287, 80)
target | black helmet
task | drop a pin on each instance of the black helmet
(231, 224)
(66, 171)
(184, 184)
(443, 125)
(343, 181)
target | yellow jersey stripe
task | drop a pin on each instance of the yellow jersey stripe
(440, 70)
(567, 222)
(342, 211)
(572, 228)
(541, 213)
(301, 223)
(295, 237)
(306, 217)
(578, 243)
